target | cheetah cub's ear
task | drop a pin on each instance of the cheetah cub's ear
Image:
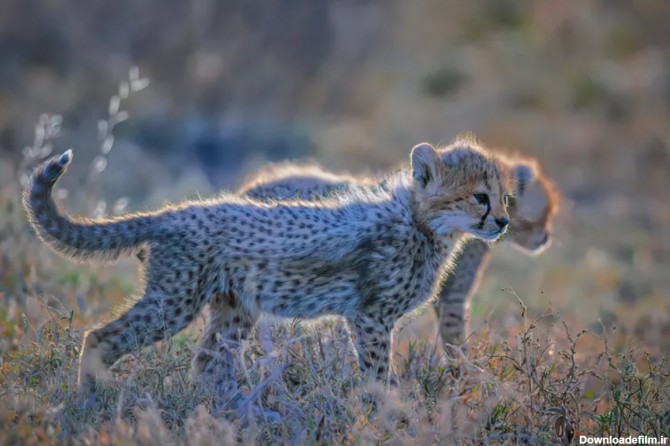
(524, 174)
(426, 163)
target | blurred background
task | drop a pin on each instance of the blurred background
(352, 84)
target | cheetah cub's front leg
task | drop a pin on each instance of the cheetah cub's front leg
(372, 340)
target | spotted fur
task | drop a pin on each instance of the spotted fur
(368, 253)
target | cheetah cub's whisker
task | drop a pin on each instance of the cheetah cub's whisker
(369, 254)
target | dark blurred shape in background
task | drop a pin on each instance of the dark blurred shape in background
(219, 145)
(228, 78)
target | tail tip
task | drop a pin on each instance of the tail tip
(65, 158)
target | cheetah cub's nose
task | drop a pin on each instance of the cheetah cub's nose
(502, 223)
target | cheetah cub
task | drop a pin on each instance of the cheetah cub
(369, 254)
(532, 210)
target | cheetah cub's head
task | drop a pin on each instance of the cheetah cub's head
(533, 207)
(460, 188)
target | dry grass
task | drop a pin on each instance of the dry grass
(534, 381)
(573, 341)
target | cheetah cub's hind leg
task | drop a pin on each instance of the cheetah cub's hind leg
(218, 349)
(171, 301)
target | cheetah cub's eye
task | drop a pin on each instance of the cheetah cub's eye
(509, 200)
(481, 198)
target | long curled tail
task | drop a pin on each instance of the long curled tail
(76, 237)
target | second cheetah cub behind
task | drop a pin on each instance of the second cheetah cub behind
(370, 254)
